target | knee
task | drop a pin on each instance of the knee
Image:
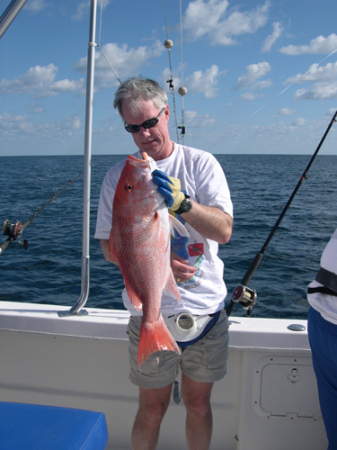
(198, 406)
(154, 411)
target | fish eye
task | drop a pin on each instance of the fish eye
(128, 187)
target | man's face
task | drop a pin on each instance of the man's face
(154, 141)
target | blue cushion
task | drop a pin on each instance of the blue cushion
(36, 427)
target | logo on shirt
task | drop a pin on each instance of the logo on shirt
(195, 249)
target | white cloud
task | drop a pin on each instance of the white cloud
(319, 45)
(203, 83)
(125, 61)
(331, 112)
(76, 123)
(39, 82)
(264, 84)
(208, 18)
(35, 79)
(298, 122)
(20, 127)
(318, 92)
(38, 110)
(202, 17)
(316, 73)
(285, 112)
(249, 96)
(11, 126)
(252, 74)
(67, 86)
(272, 38)
(36, 5)
(324, 79)
(195, 120)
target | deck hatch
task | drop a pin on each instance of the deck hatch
(285, 387)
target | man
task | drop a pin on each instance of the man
(322, 330)
(195, 188)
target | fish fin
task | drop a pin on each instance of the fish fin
(134, 298)
(154, 337)
(175, 224)
(112, 250)
(171, 288)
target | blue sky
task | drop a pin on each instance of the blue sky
(261, 76)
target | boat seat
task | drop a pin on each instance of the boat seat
(36, 427)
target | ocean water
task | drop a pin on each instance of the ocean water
(49, 271)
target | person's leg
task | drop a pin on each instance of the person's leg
(154, 379)
(153, 404)
(202, 364)
(323, 343)
(199, 422)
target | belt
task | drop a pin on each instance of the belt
(322, 290)
(327, 278)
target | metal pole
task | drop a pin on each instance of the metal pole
(9, 14)
(85, 277)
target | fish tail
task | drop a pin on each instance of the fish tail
(154, 336)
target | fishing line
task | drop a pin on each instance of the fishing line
(15, 230)
(99, 43)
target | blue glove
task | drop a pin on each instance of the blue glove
(169, 188)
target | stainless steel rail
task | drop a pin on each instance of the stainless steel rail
(9, 14)
(85, 272)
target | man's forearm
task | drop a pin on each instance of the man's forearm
(211, 222)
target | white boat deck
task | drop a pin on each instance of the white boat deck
(267, 401)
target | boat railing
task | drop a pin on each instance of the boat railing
(9, 14)
(85, 270)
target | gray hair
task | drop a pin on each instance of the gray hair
(135, 89)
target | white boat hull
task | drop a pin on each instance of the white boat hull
(267, 401)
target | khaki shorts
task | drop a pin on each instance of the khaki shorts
(205, 361)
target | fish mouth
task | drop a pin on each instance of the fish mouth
(139, 164)
(144, 162)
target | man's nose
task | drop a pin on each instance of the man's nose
(144, 131)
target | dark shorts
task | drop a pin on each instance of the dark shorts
(205, 361)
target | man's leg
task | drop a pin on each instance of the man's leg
(153, 404)
(199, 422)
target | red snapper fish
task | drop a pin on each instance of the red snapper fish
(140, 244)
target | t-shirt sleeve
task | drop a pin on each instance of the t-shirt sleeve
(212, 187)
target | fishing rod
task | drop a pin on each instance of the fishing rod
(15, 230)
(243, 294)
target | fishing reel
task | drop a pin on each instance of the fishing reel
(14, 231)
(245, 296)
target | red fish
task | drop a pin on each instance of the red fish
(140, 244)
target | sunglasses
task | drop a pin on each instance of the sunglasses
(150, 123)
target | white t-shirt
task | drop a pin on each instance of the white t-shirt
(203, 179)
(326, 305)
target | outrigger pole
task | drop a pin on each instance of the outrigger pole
(15, 230)
(242, 294)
